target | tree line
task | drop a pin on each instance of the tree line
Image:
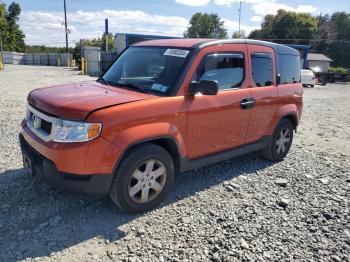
(327, 34)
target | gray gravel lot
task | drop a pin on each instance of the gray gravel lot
(245, 209)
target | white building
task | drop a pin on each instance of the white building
(318, 62)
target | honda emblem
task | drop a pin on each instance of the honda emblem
(36, 121)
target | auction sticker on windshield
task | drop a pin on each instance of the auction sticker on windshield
(176, 52)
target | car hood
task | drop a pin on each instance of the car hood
(76, 101)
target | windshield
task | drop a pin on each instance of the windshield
(147, 69)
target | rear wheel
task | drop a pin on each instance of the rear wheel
(281, 141)
(143, 178)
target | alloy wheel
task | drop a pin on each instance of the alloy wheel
(147, 181)
(282, 141)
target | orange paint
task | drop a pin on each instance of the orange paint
(200, 125)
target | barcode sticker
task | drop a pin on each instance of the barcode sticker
(159, 87)
(176, 52)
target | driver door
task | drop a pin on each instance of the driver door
(219, 122)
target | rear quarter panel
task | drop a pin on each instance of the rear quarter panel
(290, 102)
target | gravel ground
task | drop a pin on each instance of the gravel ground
(245, 209)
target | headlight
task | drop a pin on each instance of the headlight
(72, 131)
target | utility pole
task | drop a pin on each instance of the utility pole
(106, 33)
(239, 18)
(65, 24)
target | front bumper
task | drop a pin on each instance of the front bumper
(96, 185)
(98, 156)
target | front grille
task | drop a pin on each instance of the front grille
(40, 123)
(46, 126)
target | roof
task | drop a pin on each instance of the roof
(204, 42)
(177, 42)
(305, 47)
(318, 57)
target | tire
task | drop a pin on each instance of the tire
(275, 151)
(312, 86)
(146, 168)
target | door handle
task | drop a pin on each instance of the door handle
(247, 103)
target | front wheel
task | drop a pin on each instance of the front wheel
(143, 178)
(281, 141)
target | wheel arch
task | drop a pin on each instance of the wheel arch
(292, 118)
(166, 142)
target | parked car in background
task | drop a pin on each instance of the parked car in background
(163, 107)
(308, 78)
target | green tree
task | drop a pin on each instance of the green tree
(339, 47)
(99, 42)
(3, 23)
(13, 12)
(339, 70)
(12, 36)
(324, 34)
(288, 27)
(256, 34)
(46, 49)
(341, 23)
(239, 34)
(204, 25)
(327, 34)
(333, 37)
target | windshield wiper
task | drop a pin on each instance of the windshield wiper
(106, 82)
(131, 86)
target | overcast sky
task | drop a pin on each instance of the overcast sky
(43, 20)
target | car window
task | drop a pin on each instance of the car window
(152, 69)
(226, 69)
(289, 69)
(262, 69)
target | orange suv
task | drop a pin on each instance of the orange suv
(163, 107)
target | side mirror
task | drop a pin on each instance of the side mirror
(206, 87)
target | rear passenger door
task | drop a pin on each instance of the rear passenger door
(264, 91)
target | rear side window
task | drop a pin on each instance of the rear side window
(226, 69)
(262, 69)
(289, 69)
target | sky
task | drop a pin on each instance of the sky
(42, 21)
